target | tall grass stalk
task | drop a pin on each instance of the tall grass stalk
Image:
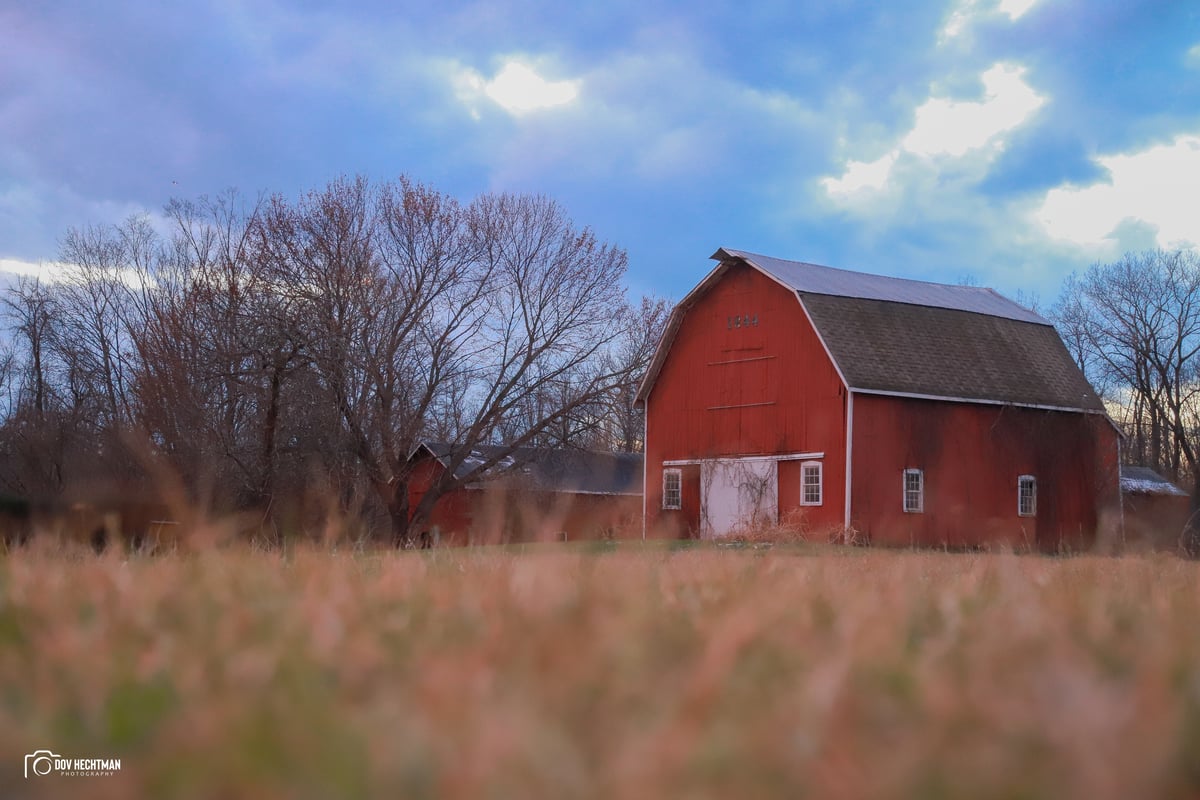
(602, 672)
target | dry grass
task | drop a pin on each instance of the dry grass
(603, 672)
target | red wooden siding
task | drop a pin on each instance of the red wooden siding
(453, 511)
(1155, 520)
(717, 360)
(972, 455)
(499, 513)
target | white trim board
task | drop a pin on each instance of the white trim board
(849, 452)
(687, 462)
(973, 400)
(645, 461)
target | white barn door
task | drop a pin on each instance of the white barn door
(737, 494)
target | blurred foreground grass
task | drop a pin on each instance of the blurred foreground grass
(619, 672)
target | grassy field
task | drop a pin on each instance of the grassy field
(633, 672)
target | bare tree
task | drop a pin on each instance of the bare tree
(609, 421)
(93, 338)
(544, 353)
(1134, 327)
(641, 328)
(485, 323)
(253, 346)
(33, 439)
(33, 311)
(8, 380)
(219, 349)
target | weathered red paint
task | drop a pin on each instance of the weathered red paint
(778, 362)
(1155, 520)
(972, 455)
(501, 512)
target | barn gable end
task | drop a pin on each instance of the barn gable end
(748, 382)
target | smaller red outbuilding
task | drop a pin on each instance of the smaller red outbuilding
(1156, 510)
(531, 494)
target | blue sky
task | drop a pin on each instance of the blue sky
(1005, 141)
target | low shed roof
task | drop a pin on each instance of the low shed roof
(1143, 480)
(551, 469)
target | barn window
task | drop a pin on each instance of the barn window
(1027, 496)
(810, 483)
(672, 489)
(914, 491)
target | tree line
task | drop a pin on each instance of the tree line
(274, 355)
(1133, 326)
(281, 355)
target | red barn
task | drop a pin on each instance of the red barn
(533, 494)
(913, 413)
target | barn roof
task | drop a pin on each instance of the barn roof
(1143, 480)
(552, 469)
(913, 338)
(898, 348)
(816, 279)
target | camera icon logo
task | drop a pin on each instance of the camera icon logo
(39, 762)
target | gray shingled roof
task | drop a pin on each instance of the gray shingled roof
(904, 337)
(553, 469)
(900, 348)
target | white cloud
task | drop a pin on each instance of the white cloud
(1155, 186)
(963, 15)
(516, 88)
(950, 128)
(655, 115)
(1016, 8)
(862, 175)
(958, 20)
(49, 271)
(519, 89)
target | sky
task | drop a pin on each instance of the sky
(1000, 142)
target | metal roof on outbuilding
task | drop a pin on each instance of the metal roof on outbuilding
(549, 469)
(1143, 480)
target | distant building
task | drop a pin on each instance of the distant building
(915, 413)
(1156, 510)
(534, 494)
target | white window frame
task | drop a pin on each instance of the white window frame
(920, 507)
(678, 504)
(1031, 480)
(805, 466)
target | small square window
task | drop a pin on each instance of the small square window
(1027, 496)
(914, 491)
(672, 489)
(810, 483)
